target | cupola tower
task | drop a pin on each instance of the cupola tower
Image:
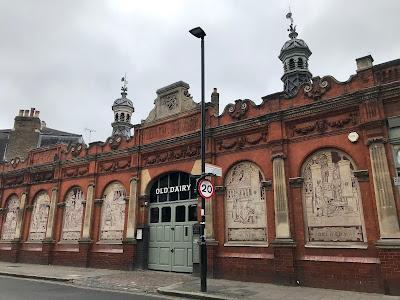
(123, 110)
(294, 56)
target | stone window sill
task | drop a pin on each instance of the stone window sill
(338, 245)
(68, 242)
(249, 244)
(110, 242)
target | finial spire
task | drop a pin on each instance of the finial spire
(292, 28)
(124, 87)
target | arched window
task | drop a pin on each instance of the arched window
(116, 117)
(113, 212)
(245, 209)
(300, 63)
(128, 117)
(40, 214)
(11, 218)
(331, 198)
(291, 64)
(122, 117)
(73, 212)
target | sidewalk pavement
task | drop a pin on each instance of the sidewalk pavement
(175, 284)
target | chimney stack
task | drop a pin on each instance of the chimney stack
(215, 100)
(21, 113)
(364, 63)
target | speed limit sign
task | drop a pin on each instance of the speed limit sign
(205, 188)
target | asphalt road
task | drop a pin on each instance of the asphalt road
(24, 289)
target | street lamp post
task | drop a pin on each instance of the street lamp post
(199, 33)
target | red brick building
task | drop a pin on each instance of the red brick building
(309, 192)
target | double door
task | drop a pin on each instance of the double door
(170, 243)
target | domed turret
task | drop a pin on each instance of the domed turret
(123, 110)
(294, 56)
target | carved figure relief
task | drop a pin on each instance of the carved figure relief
(10, 223)
(332, 198)
(245, 204)
(113, 212)
(73, 212)
(40, 214)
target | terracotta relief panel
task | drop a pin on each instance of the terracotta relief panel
(11, 217)
(40, 214)
(332, 198)
(113, 212)
(245, 204)
(323, 125)
(73, 212)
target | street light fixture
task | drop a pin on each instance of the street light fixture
(199, 33)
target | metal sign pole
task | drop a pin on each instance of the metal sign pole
(203, 246)
(199, 33)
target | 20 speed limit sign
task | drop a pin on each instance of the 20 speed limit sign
(205, 188)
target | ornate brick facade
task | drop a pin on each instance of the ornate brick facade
(297, 202)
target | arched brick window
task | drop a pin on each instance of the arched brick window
(113, 212)
(245, 213)
(73, 212)
(332, 199)
(11, 217)
(40, 214)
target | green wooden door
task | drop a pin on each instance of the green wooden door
(170, 244)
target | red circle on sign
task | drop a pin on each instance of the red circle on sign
(205, 188)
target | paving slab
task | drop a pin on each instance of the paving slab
(228, 290)
(51, 272)
(176, 284)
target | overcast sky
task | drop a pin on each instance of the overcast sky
(66, 58)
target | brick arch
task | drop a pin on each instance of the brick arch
(245, 204)
(113, 212)
(331, 199)
(9, 222)
(155, 178)
(107, 185)
(240, 161)
(39, 216)
(325, 147)
(72, 216)
(9, 197)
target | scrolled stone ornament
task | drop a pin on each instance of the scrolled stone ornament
(317, 88)
(238, 110)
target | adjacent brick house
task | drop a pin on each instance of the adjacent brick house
(307, 194)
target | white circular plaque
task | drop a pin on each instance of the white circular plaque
(353, 137)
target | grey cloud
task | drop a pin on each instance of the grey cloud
(66, 57)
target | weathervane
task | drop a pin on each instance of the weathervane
(292, 28)
(124, 87)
